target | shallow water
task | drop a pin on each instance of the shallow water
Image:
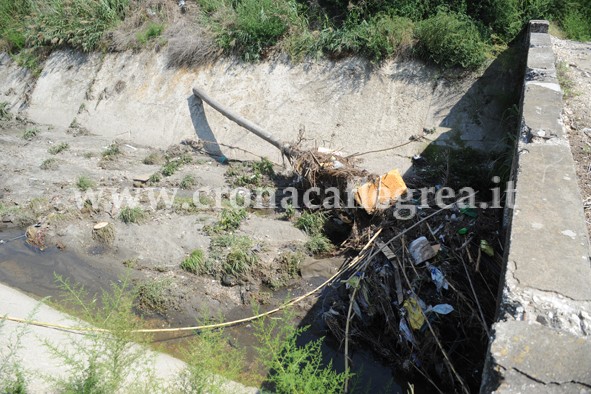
(33, 272)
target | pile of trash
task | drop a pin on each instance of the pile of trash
(424, 295)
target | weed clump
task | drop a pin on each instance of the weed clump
(4, 112)
(187, 182)
(132, 215)
(153, 294)
(230, 220)
(452, 40)
(57, 149)
(153, 30)
(231, 255)
(251, 174)
(154, 158)
(49, 164)
(312, 223)
(30, 134)
(111, 152)
(195, 263)
(84, 183)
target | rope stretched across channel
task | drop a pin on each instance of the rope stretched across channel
(353, 262)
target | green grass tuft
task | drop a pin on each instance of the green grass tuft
(30, 134)
(132, 215)
(84, 183)
(59, 148)
(4, 112)
(195, 263)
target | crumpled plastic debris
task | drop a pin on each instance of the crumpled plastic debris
(486, 248)
(438, 278)
(470, 212)
(415, 313)
(441, 309)
(463, 231)
(421, 250)
(380, 193)
(406, 333)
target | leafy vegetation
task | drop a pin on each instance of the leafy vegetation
(187, 182)
(49, 164)
(111, 152)
(250, 174)
(230, 220)
(312, 223)
(104, 362)
(132, 215)
(231, 255)
(296, 369)
(84, 183)
(4, 112)
(153, 30)
(195, 263)
(30, 134)
(59, 148)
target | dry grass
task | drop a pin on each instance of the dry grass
(190, 45)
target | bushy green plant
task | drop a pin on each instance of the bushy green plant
(311, 222)
(452, 40)
(4, 112)
(195, 262)
(187, 182)
(104, 362)
(78, 23)
(153, 30)
(232, 255)
(132, 215)
(30, 134)
(230, 220)
(59, 148)
(294, 369)
(12, 22)
(111, 152)
(577, 25)
(318, 244)
(152, 294)
(84, 183)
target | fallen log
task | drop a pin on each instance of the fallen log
(284, 147)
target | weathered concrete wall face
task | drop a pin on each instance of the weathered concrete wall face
(542, 341)
(350, 105)
(62, 87)
(16, 83)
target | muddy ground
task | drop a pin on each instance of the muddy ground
(35, 190)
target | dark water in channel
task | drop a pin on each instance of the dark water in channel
(33, 272)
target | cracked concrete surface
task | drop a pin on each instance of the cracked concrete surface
(541, 342)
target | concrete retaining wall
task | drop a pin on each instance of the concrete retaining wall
(542, 342)
(349, 105)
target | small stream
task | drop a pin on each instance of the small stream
(33, 272)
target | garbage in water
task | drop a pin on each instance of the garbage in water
(380, 193)
(486, 248)
(463, 231)
(441, 309)
(415, 313)
(421, 250)
(438, 278)
(470, 212)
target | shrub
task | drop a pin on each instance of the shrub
(153, 158)
(4, 112)
(153, 30)
(295, 369)
(12, 22)
(311, 223)
(78, 23)
(56, 149)
(29, 134)
(576, 25)
(84, 183)
(195, 263)
(451, 40)
(230, 220)
(153, 294)
(49, 164)
(234, 255)
(187, 182)
(132, 215)
(318, 244)
(111, 152)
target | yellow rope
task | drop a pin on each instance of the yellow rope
(354, 262)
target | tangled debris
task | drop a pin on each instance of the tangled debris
(425, 317)
(422, 294)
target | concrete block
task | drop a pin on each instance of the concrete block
(15, 83)
(542, 108)
(549, 246)
(528, 357)
(62, 86)
(539, 26)
(540, 40)
(540, 58)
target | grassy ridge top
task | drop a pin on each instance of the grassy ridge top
(451, 33)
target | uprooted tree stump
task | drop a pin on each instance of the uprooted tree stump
(104, 233)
